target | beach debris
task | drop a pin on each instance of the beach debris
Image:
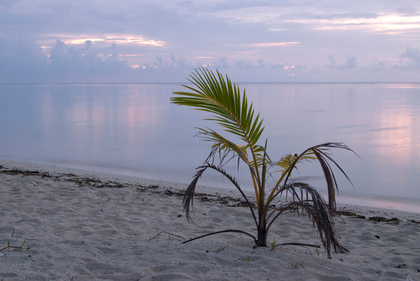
(169, 192)
(15, 171)
(375, 219)
(386, 220)
(351, 214)
(9, 248)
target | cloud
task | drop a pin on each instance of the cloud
(411, 58)
(64, 58)
(75, 39)
(222, 63)
(18, 56)
(170, 62)
(158, 40)
(24, 61)
(332, 59)
(365, 23)
(327, 16)
(378, 65)
(351, 63)
(274, 44)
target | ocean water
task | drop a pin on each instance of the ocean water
(132, 129)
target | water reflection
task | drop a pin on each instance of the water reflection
(401, 86)
(133, 129)
(396, 135)
(377, 122)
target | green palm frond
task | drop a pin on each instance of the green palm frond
(286, 161)
(219, 96)
(220, 143)
(288, 164)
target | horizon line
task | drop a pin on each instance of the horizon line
(181, 83)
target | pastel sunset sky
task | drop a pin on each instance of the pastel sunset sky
(138, 41)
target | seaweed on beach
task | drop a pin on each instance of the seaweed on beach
(15, 171)
(385, 220)
(351, 214)
(375, 219)
(81, 181)
(86, 181)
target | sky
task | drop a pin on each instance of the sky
(137, 41)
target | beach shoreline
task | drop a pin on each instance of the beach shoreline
(82, 225)
(222, 191)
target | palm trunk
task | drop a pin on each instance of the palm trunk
(262, 232)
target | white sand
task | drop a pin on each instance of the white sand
(75, 231)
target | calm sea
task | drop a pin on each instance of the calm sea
(133, 129)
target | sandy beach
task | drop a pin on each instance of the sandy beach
(78, 225)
